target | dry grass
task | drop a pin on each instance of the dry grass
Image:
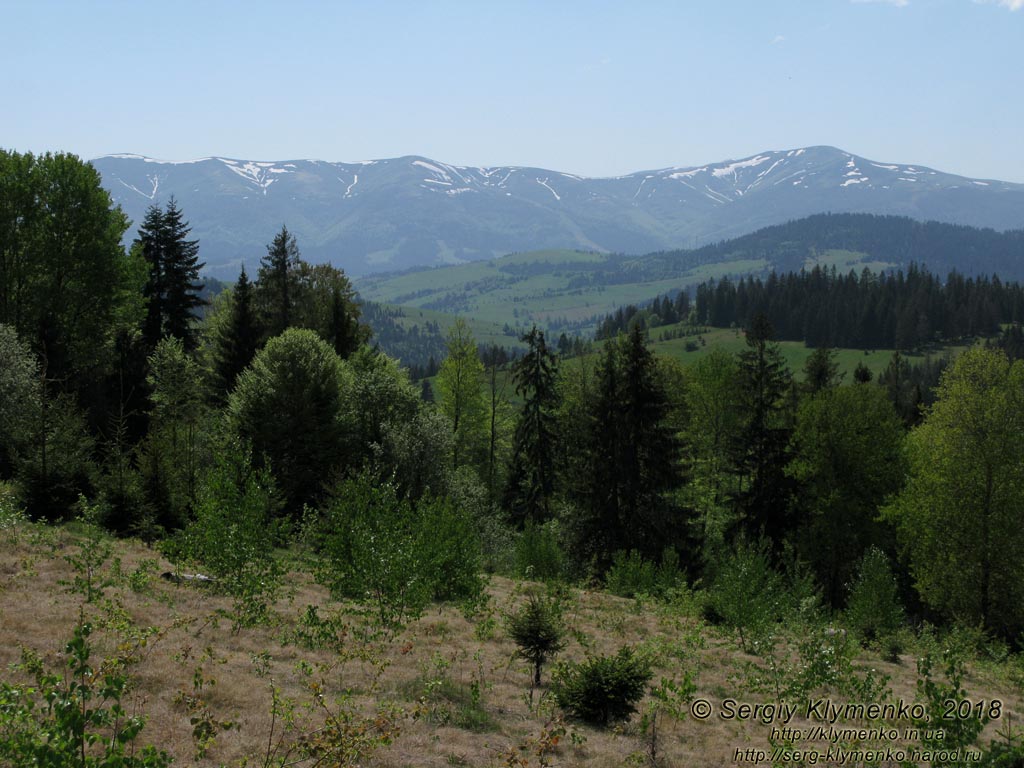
(428, 670)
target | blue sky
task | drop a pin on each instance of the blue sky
(594, 88)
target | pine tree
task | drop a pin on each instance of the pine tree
(821, 371)
(181, 275)
(237, 345)
(531, 476)
(760, 454)
(632, 459)
(277, 281)
(172, 290)
(149, 241)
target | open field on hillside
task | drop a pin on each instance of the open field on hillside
(542, 287)
(795, 353)
(446, 690)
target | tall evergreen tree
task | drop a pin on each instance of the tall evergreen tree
(278, 282)
(238, 343)
(172, 288)
(181, 276)
(530, 483)
(632, 458)
(760, 454)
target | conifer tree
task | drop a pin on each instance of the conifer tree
(171, 290)
(760, 454)
(632, 460)
(181, 275)
(277, 280)
(530, 483)
(238, 343)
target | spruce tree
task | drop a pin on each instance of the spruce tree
(149, 241)
(531, 475)
(760, 455)
(632, 459)
(181, 277)
(240, 340)
(172, 288)
(277, 281)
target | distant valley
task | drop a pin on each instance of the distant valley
(394, 214)
(563, 290)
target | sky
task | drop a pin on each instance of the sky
(593, 88)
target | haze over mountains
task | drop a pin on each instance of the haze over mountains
(392, 214)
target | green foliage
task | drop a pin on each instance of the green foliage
(19, 397)
(60, 236)
(959, 514)
(539, 553)
(176, 445)
(236, 337)
(632, 459)
(712, 395)
(760, 453)
(459, 385)
(848, 458)
(287, 404)
(632, 575)
(75, 719)
(234, 533)
(941, 728)
(172, 287)
(538, 631)
(91, 551)
(602, 689)
(873, 607)
(530, 484)
(747, 594)
(379, 407)
(56, 466)
(382, 549)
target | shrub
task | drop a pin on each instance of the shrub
(632, 575)
(74, 718)
(602, 689)
(539, 554)
(538, 631)
(234, 533)
(873, 609)
(381, 548)
(747, 593)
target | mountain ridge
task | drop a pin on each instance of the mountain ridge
(395, 213)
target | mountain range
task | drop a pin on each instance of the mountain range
(393, 214)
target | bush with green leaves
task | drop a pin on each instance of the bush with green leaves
(873, 607)
(380, 548)
(539, 553)
(632, 575)
(747, 594)
(234, 532)
(75, 718)
(538, 631)
(602, 689)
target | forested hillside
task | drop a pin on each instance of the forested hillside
(263, 435)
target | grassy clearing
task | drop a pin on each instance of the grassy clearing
(506, 290)
(447, 690)
(795, 353)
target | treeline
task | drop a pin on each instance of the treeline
(866, 311)
(272, 417)
(663, 310)
(895, 240)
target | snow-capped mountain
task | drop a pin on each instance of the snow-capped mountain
(412, 211)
